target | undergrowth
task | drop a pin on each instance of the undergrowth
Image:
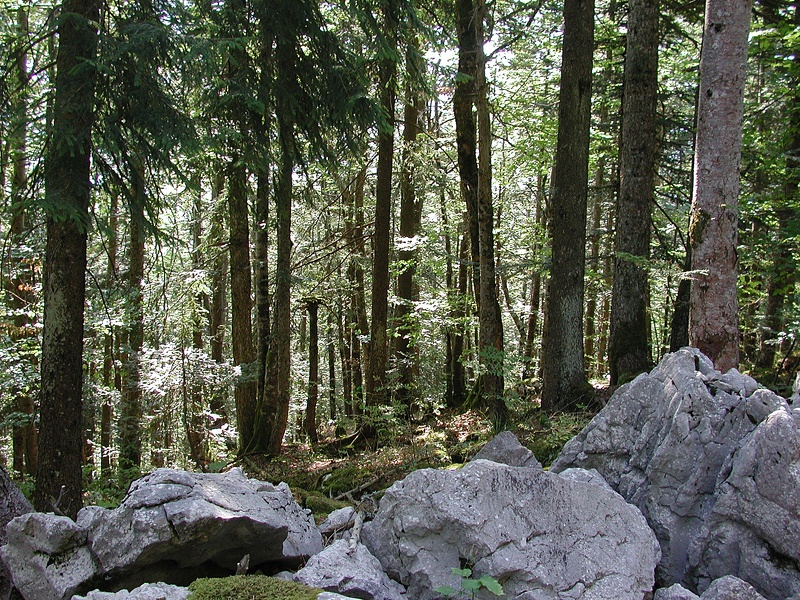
(328, 477)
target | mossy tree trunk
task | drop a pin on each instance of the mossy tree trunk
(714, 308)
(67, 195)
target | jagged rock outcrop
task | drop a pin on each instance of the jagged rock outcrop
(694, 449)
(147, 591)
(543, 536)
(731, 588)
(338, 522)
(350, 571)
(505, 448)
(675, 592)
(12, 504)
(194, 518)
(48, 557)
(753, 529)
(171, 526)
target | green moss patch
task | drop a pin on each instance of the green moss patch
(250, 587)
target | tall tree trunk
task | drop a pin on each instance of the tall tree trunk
(784, 268)
(67, 194)
(241, 301)
(714, 308)
(453, 367)
(356, 322)
(343, 330)
(331, 367)
(273, 409)
(466, 136)
(459, 316)
(376, 392)
(629, 351)
(310, 427)
(20, 286)
(491, 348)
(590, 337)
(262, 277)
(110, 341)
(536, 288)
(564, 377)
(194, 409)
(410, 221)
(219, 294)
(130, 419)
(261, 132)
(679, 325)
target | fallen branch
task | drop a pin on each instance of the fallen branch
(348, 494)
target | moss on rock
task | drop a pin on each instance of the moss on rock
(250, 587)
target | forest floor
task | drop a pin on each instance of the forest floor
(330, 476)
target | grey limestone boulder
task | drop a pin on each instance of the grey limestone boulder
(193, 518)
(12, 504)
(48, 557)
(585, 475)
(338, 521)
(171, 526)
(675, 592)
(354, 571)
(505, 448)
(753, 529)
(731, 588)
(541, 535)
(147, 591)
(662, 441)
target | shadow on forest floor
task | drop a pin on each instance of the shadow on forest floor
(328, 476)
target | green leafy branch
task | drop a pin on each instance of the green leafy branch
(469, 586)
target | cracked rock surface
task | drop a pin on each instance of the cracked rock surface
(47, 556)
(541, 536)
(712, 461)
(351, 571)
(172, 525)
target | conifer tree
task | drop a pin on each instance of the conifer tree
(68, 190)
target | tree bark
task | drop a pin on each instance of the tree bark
(333, 413)
(784, 268)
(564, 376)
(356, 322)
(241, 301)
(109, 343)
(410, 221)
(466, 136)
(532, 324)
(376, 392)
(20, 286)
(194, 410)
(130, 418)
(313, 371)
(67, 194)
(714, 309)
(262, 277)
(629, 348)
(491, 347)
(273, 407)
(261, 133)
(219, 294)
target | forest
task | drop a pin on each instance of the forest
(229, 225)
